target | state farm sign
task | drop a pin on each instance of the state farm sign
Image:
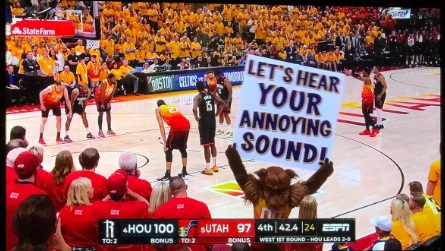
(43, 28)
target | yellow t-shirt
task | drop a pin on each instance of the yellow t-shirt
(46, 65)
(434, 210)
(82, 70)
(66, 77)
(399, 232)
(434, 176)
(197, 53)
(425, 227)
(174, 49)
(117, 73)
(184, 51)
(261, 211)
(108, 47)
(128, 46)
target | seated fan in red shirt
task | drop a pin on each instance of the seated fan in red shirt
(182, 207)
(117, 206)
(89, 160)
(76, 217)
(128, 162)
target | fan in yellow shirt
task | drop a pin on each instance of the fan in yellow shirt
(431, 207)
(434, 181)
(196, 48)
(151, 54)
(129, 48)
(425, 227)
(403, 227)
(174, 47)
(108, 46)
(82, 72)
(184, 48)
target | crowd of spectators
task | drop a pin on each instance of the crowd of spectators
(172, 36)
(81, 197)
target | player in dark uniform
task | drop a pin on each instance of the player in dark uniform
(379, 94)
(79, 98)
(205, 103)
(225, 93)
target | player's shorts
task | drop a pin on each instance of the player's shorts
(379, 103)
(55, 108)
(177, 139)
(100, 109)
(211, 88)
(76, 109)
(207, 130)
(367, 107)
(94, 84)
(227, 108)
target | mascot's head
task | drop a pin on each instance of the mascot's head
(275, 178)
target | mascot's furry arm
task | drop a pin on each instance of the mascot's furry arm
(246, 181)
(301, 189)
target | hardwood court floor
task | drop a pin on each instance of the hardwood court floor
(368, 171)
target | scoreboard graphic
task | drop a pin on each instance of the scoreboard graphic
(218, 231)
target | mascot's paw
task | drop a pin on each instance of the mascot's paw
(327, 166)
(231, 152)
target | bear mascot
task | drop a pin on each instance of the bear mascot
(270, 190)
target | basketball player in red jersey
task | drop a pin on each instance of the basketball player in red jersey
(104, 95)
(79, 98)
(177, 137)
(211, 81)
(50, 101)
(379, 94)
(368, 104)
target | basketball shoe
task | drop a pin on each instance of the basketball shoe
(184, 175)
(365, 132)
(374, 133)
(90, 136)
(60, 141)
(111, 133)
(207, 171)
(101, 134)
(215, 169)
(67, 139)
(42, 142)
(220, 132)
(229, 135)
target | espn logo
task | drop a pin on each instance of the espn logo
(336, 227)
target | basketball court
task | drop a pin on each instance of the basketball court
(368, 172)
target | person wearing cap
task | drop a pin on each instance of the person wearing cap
(118, 205)
(425, 226)
(89, 160)
(432, 207)
(128, 162)
(383, 227)
(25, 166)
(182, 207)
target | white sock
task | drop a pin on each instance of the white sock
(220, 127)
(379, 117)
(67, 133)
(214, 161)
(208, 166)
(87, 130)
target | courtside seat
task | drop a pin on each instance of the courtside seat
(433, 244)
(416, 247)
